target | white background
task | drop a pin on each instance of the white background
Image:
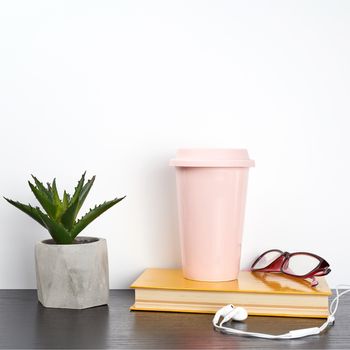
(114, 87)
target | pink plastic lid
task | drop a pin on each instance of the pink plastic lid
(200, 157)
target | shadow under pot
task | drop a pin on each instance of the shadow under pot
(72, 276)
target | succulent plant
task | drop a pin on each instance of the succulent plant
(60, 216)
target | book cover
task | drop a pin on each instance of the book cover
(247, 282)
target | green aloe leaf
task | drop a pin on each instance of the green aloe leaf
(84, 192)
(78, 189)
(92, 215)
(48, 206)
(55, 194)
(69, 216)
(65, 200)
(29, 210)
(57, 230)
(42, 188)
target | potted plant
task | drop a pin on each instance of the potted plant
(71, 272)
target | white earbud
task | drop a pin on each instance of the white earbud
(229, 312)
(237, 314)
(223, 312)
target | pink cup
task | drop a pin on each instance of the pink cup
(211, 190)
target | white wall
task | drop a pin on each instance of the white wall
(114, 87)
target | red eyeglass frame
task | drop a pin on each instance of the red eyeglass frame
(280, 264)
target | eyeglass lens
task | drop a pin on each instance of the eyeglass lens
(300, 264)
(267, 259)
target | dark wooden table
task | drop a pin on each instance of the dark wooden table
(24, 323)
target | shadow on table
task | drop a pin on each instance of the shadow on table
(65, 328)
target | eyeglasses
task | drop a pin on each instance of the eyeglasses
(299, 264)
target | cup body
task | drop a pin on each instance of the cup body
(211, 191)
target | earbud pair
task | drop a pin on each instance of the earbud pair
(229, 312)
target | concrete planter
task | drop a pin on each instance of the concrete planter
(72, 276)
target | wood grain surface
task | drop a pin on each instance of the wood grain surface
(24, 323)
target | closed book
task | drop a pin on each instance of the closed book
(268, 294)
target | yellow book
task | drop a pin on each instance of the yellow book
(268, 294)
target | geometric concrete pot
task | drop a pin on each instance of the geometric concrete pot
(72, 276)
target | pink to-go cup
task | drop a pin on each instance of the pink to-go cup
(211, 191)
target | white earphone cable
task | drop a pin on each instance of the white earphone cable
(334, 305)
(336, 299)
